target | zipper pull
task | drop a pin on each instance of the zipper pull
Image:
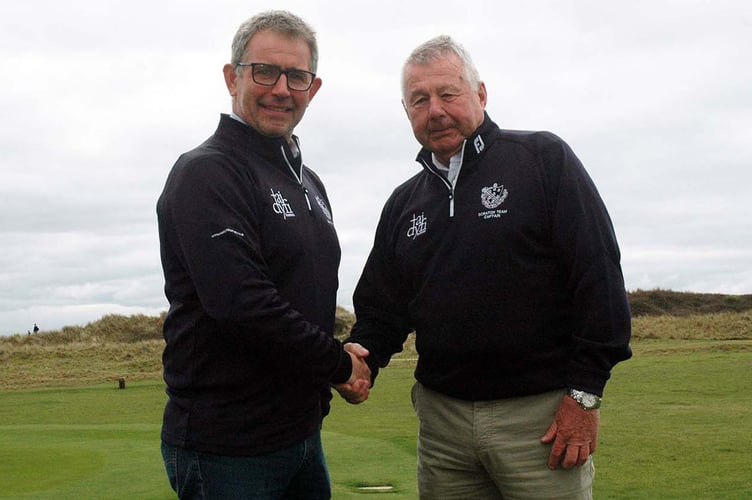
(451, 204)
(308, 201)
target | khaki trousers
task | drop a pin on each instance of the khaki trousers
(491, 449)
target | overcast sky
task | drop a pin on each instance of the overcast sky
(98, 98)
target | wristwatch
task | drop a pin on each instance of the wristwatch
(586, 400)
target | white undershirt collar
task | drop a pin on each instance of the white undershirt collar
(453, 170)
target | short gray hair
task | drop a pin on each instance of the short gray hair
(278, 21)
(436, 48)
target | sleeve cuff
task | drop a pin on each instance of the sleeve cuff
(344, 368)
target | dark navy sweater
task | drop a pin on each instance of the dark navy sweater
(250, 259)
(510, 279)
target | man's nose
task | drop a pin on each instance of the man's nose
(435, 107)
(281, 86)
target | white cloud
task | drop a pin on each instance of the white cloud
(99, 98)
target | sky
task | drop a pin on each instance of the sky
(98, 98)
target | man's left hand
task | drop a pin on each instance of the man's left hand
(574, 433)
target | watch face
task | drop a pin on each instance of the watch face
(585, 399)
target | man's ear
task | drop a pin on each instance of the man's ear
(231, 78)
(482, 95)
(314, 88)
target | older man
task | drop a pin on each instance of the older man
(500, 255)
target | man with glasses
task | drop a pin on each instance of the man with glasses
(250, 259)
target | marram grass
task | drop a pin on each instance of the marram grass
(674, 425)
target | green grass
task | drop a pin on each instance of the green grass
(80, 443)
(374, 443)
(675, 425)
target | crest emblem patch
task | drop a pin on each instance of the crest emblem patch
(493, 196)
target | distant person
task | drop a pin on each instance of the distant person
(500, 255)
(36, 328)
(250, 259)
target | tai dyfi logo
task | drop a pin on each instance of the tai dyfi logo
(418, 227)
(281, 206)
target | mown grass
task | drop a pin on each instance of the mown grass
(674, 426)
(82, 443)
(675, 422)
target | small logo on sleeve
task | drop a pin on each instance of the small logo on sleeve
(227, 230)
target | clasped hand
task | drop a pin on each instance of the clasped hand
(357, 387)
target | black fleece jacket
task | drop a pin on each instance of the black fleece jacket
(250, 259)
(510, 279)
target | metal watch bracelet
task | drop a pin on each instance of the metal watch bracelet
(586, 400)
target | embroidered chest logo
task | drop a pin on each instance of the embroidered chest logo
(492, 197)
(324, 209)
(281, 206)
(419, 226)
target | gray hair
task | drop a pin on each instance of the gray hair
(437, 48)
(278, 21)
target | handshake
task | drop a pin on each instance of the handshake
(356, 389)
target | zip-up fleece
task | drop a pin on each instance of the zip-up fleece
(250, 259)
(510, 279)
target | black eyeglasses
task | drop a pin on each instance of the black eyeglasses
(268, 75)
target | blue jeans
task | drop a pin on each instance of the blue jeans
(297, 472)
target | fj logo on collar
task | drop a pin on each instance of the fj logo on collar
(281, 206)
(419, 226)
(479, 145)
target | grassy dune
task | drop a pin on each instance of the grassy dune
(103, 351)
(674, 421)
(130, 347)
